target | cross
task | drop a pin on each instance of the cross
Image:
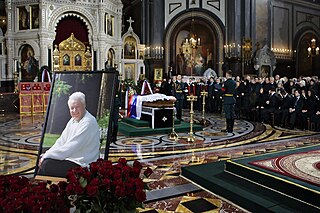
(130, 22)
(164, 119)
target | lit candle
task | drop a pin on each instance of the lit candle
(198, 41)
(317, 51)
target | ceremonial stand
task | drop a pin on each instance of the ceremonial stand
(191, 98)
(173, 135)
(204, 121)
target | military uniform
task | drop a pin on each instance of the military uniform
(229, 102)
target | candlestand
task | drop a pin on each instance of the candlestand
(192, 99)
(173, 135)
(204, 121)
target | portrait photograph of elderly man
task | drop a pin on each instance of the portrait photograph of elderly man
(78, 144)
(75, 132)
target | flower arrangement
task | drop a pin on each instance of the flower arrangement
(101, 187)
(107, 187)
(19, 194)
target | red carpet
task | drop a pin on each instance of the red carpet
(304, 166)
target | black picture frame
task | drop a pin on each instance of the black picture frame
(100, 89)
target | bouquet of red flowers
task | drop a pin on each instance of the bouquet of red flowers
(19, 194)
(103, 187)
(107, 187)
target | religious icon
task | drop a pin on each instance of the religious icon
(66, 60)
(24, 21)
(130, 47)
(157, 74)
(35, 16)
(77, 60)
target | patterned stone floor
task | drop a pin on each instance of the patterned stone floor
(20, 137)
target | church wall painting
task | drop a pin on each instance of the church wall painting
(28, 17)
(130, 45)
(29, 66)
(193, 58)
(24, 18)
(129, 71)
(34, 16)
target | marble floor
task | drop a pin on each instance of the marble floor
(20, 137)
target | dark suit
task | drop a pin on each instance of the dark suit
(283, 110)
(272, 104)
(297, 106)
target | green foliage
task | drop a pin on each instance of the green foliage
(50, 139)
(103, 121)
(61, 87)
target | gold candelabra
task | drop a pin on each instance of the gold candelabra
(204, 121)
(173, 135)
(192, 99)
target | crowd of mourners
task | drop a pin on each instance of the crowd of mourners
(277, 101)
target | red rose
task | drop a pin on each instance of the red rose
(79, 190)
(71, 177)
(106, 183)
(148, 172)
(120, 191)
(92, 190)
(140, 195)
(70, 189)
(54, 188)
(94, 182)
(116, 175)
(109, 173)
(63, 185)
(102, 171)
(122, 161)
(137, 164)
(135, 172)
(139, 183)
(126, 170)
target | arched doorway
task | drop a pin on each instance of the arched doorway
(307, 64)
(76, 50)
(193, 43)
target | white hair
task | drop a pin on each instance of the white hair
(77, 96)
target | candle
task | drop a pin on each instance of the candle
(194, 89)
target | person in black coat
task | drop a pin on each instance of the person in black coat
(179, 88)
(271, 105)
(260, 104)
(295, 108)
(309, 108)
(282, 111)
(217, 96)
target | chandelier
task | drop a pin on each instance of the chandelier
(193, 40)
(313, 49)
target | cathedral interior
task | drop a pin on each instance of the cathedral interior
(117, 50)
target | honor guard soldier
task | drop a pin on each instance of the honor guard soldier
(229, 101)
